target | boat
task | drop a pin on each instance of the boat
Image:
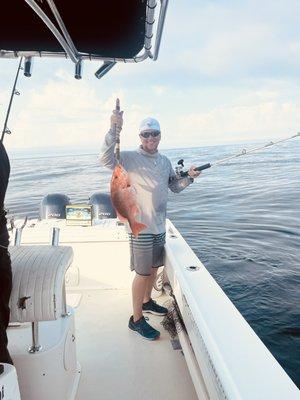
(215, 356)
(71, 295)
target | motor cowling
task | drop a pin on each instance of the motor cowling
(53, 206)
(102, 206)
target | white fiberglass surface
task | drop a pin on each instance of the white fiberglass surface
(233, 360)
(117, 363)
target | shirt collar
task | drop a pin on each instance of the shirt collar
(145, 153)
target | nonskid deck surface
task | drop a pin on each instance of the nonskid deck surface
(119, 364)
(116, 363)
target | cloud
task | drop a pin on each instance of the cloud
(159, 89)
(61, 112)
(240, 123)
(65, 112)
(218, 42)
(232, 40)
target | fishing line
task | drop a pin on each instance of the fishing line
(240, 154)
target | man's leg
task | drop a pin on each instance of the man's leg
(141, 251)
(150, 283)
(139, 286)
(137, 322)
(149, 305)
(5, 290)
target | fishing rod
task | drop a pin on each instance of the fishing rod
(13, 92)
(224, 160)
(117, 134)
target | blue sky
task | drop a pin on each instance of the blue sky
(228, 72)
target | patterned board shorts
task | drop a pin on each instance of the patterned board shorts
(146, 251)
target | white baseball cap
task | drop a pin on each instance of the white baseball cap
(149, 124)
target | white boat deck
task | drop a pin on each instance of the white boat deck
(119, 364)
(223, 358)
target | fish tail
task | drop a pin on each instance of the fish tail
(137, 227)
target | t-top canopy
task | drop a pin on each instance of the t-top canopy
(111, 30)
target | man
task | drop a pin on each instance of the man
(5, 265)
(151, 174)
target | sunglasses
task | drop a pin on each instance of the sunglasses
(146, 135)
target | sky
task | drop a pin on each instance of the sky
(228, 72)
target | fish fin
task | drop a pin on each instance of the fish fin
(137, 227)
(135, 210)
(120, 216)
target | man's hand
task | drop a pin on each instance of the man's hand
(192, 173)
(116, 120)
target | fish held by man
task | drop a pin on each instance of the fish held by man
(123, 197)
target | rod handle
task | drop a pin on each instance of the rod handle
(201, 168)
(117, 148)
(118, 104)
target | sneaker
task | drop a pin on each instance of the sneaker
(143, 328)
(152, 307)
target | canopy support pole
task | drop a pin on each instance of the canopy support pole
(65, 45)
(62, 26)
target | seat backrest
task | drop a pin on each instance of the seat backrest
(38, 282)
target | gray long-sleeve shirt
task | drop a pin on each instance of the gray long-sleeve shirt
(151, 175)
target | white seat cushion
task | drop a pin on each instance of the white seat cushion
(38, 278)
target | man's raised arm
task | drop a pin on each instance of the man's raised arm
(107, 154)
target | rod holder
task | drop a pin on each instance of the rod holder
(55, 242)
(55, 237)
(64, 295)
(18, 236)
(105, 67)
(78, 70)
(28, 66)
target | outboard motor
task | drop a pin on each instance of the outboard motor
(102, 206)
(53, 206)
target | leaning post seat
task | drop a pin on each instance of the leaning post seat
(38, 302)
(38, 292)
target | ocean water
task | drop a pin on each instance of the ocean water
(242, 219)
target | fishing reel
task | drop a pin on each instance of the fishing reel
(179, 167)
(181, 174)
